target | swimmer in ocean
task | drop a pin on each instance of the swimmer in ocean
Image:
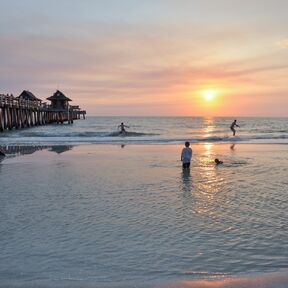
(217, 161)
(232, 127)
(122, 128)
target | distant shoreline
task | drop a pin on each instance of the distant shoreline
(24, 149)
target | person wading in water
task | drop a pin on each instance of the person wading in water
(232, 127)
(122, 128)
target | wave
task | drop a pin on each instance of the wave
(130, 134)
(86, 134)
(242, 138)
(133, 137)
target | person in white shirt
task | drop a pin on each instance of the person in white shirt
(186, 156)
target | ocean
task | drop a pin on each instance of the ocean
(153, 130)
(82, 206)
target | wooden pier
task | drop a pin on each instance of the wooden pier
(27, 111)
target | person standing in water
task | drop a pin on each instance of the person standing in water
(122, 128)
(186, 156)
(232, 127)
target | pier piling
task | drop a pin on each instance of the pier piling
(20, 112)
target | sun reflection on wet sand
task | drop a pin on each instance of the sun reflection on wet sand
(201, 194)
(269, 280)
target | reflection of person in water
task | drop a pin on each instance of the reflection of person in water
(186, 182)
(232, 127)
(2, 156)
(122, 128)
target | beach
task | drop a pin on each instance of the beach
(100, 102)
(128, 216)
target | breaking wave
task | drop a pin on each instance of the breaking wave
(153, 130)
(133, 137)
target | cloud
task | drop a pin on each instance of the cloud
(283, 43)
(121, 66)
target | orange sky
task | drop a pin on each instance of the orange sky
(149, 57)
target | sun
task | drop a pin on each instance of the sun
(209, 94)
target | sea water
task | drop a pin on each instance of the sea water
(126, 215)
(153, 130)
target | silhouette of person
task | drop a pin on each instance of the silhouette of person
(122, 128)
(232, 127)
(217, 161)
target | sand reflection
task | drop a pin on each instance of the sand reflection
(260, 281)
(17, 150)
(207, 181)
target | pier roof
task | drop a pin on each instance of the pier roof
(58, 95)
(27, 95)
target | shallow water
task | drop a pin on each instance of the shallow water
(128, 216)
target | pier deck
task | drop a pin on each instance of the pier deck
(16, 113)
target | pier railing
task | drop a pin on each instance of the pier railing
(11, 101)
(19, 113)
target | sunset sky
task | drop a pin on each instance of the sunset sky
(152, 57)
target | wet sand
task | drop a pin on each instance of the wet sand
(128, 216)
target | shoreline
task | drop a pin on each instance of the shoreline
(264, 280)
(78, 144)
(224, 151)
(122, 145)
(267, 280)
